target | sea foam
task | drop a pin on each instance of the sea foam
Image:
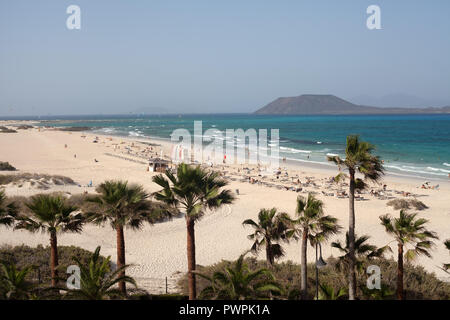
(293, 150)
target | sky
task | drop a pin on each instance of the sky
(217, 56)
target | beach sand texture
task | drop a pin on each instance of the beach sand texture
(159, 251)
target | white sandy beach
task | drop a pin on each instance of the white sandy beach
(159, 251)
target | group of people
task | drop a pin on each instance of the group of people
(427, 185)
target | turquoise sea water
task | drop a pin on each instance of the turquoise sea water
(416, 145)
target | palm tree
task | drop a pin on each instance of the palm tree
(447, 265)
(363, 251)
(13, 283)
(8, 211)
(51, 214)
(122, 205)
(97, 282)
(237, 282)
(269, 230)
(328, 293)
(192, 190)
(408, 230)
(311, 224)
(358, 158)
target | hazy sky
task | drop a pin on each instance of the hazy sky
(216, 56)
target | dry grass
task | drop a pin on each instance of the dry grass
(418, 205)
(5, 166)
(7, 130)
(41, 181)
(23, 256)
(419, 284)
(403, 204)
(24, 127)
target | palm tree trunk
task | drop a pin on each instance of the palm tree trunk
(269, 256)
(351, 238)
(400, 273)
(54, 258)
(304, 266)
(191, 258)
(121, 256)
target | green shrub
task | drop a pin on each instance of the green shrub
(419, 284)
(6, 130)
(23, 256)
(403, 204)
(146, 296)
(5, 166)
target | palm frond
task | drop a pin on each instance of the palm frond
(409, 229)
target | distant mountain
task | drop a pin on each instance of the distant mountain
(398, 100)
(330, 104)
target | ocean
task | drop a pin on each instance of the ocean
(410, 145)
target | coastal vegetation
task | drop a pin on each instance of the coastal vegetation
(311, 225)
(192, 191)
(419, 284)
(13, 282)
(447, 265)
(40, 181)
(358, 159)
(8, 210)
(51, 214)
(329, 293)
(4, 129)
(24, 127)
(39, 258)
(122, 205)
(364, 252)
(237, 282)
(271, 228)
(408, 230)
(97, 280)
(406, 204)
(5, 166)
